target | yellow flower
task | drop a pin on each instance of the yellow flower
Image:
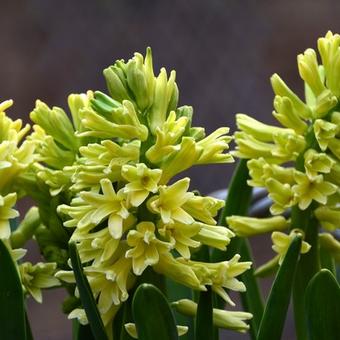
(180, 236)
(132, 330)
(324, 132)
(203, 208)
(282, 195)
(220, 275)
(16, 154)
(307, 190)
(38, 276)
(122, 123)
(6, 213)
(168, 204)
(146, 247)
(221, 318)
(281, 243)
(91, 208)
(141, 181)
(317, 162)
(167, 136)
(110, 284)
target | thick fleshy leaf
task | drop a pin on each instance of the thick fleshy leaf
(81, 332)
(204, 317)
(204, 327)
(86, 296)
(237, 203)
(251, 298)
(29, 335)
(323, 306)
(176, 291)
(152, 314)
(275, 312)
(12, 311)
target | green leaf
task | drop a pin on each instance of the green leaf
(204, 318)
(269, 268)
(251, 298)
(152, 314)
(176, 291)
(237, 203)
(323, 306)
(29, 335)
(307, 267)
(81, 332)
(275, 312)
(86, 296)
(12, 310)
(125, 318)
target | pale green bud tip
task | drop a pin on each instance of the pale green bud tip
(330, 244)
(221, 318)
(249, 226)
(132, 330)
(328, 217)
(308, 69)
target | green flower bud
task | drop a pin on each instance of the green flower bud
(281, 89)
(55, 123)
(309, 72)
(221, 318)
(248, 226)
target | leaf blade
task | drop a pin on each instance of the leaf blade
(152, 314)
(323, 306)
(275, 312)
(12, 310)
(86, 295)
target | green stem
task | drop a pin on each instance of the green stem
(26, 228)
(309, 263)
(307, 266)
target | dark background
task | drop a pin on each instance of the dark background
(224, 52)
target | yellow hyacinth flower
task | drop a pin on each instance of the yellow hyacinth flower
(281, 243)
(298, 163)
(6, 213)
(108, 169)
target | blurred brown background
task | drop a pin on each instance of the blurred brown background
(223, 50)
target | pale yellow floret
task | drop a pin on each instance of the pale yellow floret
(169, 203)
(281, 242)
(306, 190)
(145, 247)
(221, 318)
(36, 277)
(141, 181)
(317, 162)
(6, 213)
(248, 226)
(328, 217)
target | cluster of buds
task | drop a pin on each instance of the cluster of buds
(112, 166)
(299, 163)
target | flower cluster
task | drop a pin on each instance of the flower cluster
(113, 167)
(16, 160)
(299, 163)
